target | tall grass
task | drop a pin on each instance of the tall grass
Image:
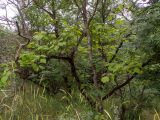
(156, 115)
(32, 103)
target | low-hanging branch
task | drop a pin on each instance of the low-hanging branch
(129, 79)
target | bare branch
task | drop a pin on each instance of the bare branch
(21, 46)
(25, 37)
(94, 11)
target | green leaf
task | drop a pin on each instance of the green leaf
(105, 79)
(38, 36)
(137, 70)
(5, 77)
(56, 48)
(43, 60)
(35, 67)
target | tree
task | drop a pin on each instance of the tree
(96, 40)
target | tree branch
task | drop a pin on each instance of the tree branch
(52, 15)
(118, 48)
(129, 79)
(75, 48)
(77, 4)
(57, 57)
(21, 46)
(94, 11)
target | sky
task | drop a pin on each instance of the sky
(10, 9)
(11, 12)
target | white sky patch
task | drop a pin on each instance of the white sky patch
(11, 11)
(7, 12)
(142, 3)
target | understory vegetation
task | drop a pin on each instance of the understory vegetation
(81, 60)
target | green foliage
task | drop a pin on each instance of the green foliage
(105, 79)
(4, 77)
(6, 74)
(30, 59)
(148, 27)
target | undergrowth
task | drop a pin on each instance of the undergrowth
(31, 102)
